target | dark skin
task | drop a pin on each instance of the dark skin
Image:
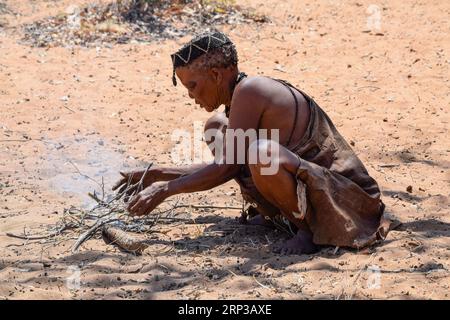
(255, 103)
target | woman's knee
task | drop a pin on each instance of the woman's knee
(216, 122)
(267, 157)
(215, 130)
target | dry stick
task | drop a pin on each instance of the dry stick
(206, 207)
(108, 204)
(99, 223)
(372, 87)
(120, 195)
(84, 175)
(128, 187)
(111, 209)
(27, 140)
(388, 165)
(88, 234)
(29, 238)
(266, 287)
(103, 189)
(140, 184)
(167, 216)
(15, 140)
(138, 187)
(174, 219)
(158, 217)
(13, 212)
(69, 109)
(95, 197)
(57, 232)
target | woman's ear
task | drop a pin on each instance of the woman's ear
(217, 75)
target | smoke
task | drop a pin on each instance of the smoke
(75, 166)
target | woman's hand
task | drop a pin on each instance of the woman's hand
(148, 199)
(131, 179)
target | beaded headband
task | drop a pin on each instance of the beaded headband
(197, 47)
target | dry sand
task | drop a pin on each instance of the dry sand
(388, 93)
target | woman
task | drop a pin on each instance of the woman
(320, 191)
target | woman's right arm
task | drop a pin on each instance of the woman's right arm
(155, 174)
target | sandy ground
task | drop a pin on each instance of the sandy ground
(114, 108)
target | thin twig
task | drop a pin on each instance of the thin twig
(25, 237)
(388, 165)
(91, 232)
(207, 207)
(16, 140)
(103, 189)
(27, 140)
(266, 287)
(371, 87)
(69, 109)
(84, 175)
(95, 197)
(141, 181)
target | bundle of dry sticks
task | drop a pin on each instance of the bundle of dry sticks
(110, 218)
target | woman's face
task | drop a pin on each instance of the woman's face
(202, 86)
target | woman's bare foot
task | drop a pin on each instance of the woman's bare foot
(301, 243)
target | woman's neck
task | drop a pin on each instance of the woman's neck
(231, 76)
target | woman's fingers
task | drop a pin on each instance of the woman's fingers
(118, 184)
(133, 202)
(129, 193)
(128, 188)
(122, 188)
(135, 209)
(127, 177)
(132, 189)
(124, 180)
(139, 205)
(142, 209)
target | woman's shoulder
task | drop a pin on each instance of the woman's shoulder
(256, 87)
(268, 89)
(250, 95)
(256, 82)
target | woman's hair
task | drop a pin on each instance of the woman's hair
(212, 49)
